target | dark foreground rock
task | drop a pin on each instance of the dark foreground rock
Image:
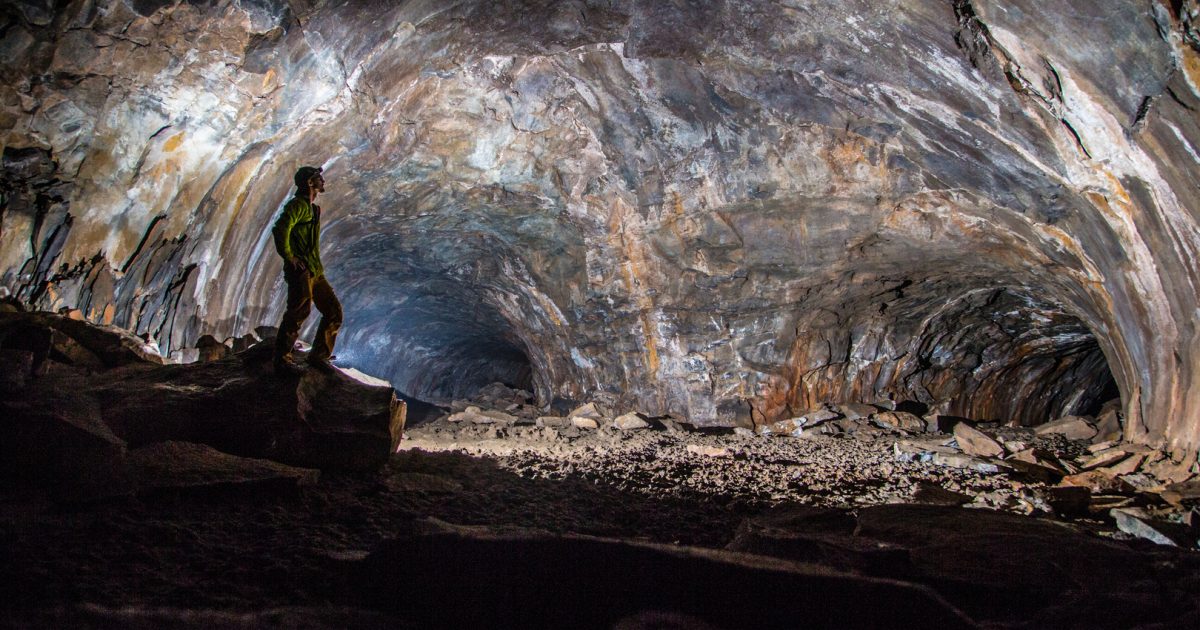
(320, 419)
(91, 617)
(60, 442)
(71, 342)
(377, 550)
(78, 396)
(469, 578)
(183, 467)
(992, 565)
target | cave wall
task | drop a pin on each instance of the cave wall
(728, 210)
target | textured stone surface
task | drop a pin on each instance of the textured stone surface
(729, 211)
(317, 420)
(451, 585)
(1073, 427)
(182, 467)
(61, 442)
(71, 421)
(972, 441)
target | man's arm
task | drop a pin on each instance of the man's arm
(282, 232)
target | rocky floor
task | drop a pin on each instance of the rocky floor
(267, 556)
(141, 495)
(1073, 468)
(723, 469)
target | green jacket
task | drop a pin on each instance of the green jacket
(298, 233)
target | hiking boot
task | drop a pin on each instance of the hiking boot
(287, 367)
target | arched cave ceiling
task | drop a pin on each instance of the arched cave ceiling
(728, 210)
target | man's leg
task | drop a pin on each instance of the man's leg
(331, 319)
(299, 303)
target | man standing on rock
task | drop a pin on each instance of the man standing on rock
(297, 239)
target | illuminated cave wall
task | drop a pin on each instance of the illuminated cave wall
(728, 210)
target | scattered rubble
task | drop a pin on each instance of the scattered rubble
(972, 441)
(838, 456)
(1072, 427)
(630, 422)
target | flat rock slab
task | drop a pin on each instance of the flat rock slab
(1137, 522)
(994, 566)
(173, 467)
(976, 442)
(135, 617)
(820, 536)
(901, 420)
(991, 564)
(60, 442)
(630, 422)
(1073, 427)
(320, 419)
(453, 580)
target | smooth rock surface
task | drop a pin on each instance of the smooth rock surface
(630, 422)
(625, 580)
(1071, 427)
(179, 467)
(972, 441)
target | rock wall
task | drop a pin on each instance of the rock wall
(729, 210)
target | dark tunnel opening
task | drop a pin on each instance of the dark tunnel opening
(1008, 356)
(429, 310)
(434, 351)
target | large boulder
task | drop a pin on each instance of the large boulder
(346, 424)
(72, 342)
(76, 394)
(321, 419)
(186, 468)
(59, 442)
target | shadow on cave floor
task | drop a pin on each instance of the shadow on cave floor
(250, 552)
(246, 553)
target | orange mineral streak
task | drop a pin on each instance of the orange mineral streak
(624, 238)
(675, 211)
(853, 161)
(651, 344)
(770, 404)
(173, 143)
(1190, 65)
(549, 307)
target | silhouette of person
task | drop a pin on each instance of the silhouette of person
(297, 239)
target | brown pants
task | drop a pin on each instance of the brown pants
(303, 292)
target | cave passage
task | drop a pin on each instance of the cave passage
(432, 346)
(420, 313)
(1005, 355)
(946, 345)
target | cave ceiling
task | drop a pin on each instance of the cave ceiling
(728, 211)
